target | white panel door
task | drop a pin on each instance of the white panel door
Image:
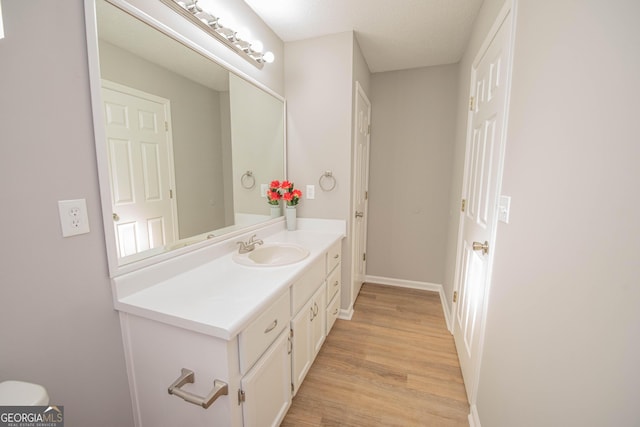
(140, 169)
(480, 199)
(361, 184)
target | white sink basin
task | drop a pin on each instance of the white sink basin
(272, 255)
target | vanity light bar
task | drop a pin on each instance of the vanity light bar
(252, 52)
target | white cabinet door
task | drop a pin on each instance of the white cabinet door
(309, 327)
(301, 356)
(267, 386)
(318, 321)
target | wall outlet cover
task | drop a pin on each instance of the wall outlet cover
(73, 217)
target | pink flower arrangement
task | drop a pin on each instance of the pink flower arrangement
(273, 193)
(283, 190)
(289, 194)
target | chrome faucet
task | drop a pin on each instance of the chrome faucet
(250, 245)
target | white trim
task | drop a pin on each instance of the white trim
(474, 418)
(355, 257)
(1, 24)
(412, 284)
(346, 314)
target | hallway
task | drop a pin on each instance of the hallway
(393, 364)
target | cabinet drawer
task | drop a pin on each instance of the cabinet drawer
(333, 309)
(303, 288)
(259, 335)
(334, 255)
(333, 283)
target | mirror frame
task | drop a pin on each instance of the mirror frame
(95, 79)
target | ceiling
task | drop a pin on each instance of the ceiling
(392, 34)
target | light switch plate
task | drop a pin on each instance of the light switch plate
(263, 190)
(504, 208)
(73, 217)
(311, 192)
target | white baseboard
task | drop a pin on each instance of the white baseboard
(412, 284)
(474, 419)
(346, 314)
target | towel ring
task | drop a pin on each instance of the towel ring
(327, 181)
(248, 181)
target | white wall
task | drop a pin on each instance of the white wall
(562, 343)
(412, 140)
(57, 323)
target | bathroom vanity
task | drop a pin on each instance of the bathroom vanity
(249, 333)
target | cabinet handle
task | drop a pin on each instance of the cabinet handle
(312, 314)
(271, 327)
(335, 312)
(220, 388)
(315, 309)
(336, 284)
(336, 256)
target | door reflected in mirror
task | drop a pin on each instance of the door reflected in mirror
(189, 145)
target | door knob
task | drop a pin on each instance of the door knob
(359, 214)
(116, 217)
(484, 247)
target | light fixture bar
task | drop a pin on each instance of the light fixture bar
(211, 25)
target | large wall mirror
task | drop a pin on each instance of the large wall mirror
(188, 145)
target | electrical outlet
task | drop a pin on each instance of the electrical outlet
(73, 217)
(311, 192)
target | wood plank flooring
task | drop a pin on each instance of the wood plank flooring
(393, 364)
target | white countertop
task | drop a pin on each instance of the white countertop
(220, 297)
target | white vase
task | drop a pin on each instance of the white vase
(290, 216)
(275, 211)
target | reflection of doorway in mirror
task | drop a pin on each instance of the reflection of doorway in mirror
(140, 161)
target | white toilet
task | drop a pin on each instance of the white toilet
(20, 393)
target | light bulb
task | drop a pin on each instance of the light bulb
(243, 34)
(257, 46)
(268, 57)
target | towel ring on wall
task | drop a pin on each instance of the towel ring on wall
(248, 181)
(327, 181)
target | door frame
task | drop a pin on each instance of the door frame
(508, 11)
(359, 91)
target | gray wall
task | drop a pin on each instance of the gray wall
(319, 80)
(257, 135)
(57, 323)
(412, 140)
(562, 343)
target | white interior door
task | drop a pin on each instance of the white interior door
(360, 193)
(140, 169)
(483, 169)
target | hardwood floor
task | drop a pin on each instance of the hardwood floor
(393, 364)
